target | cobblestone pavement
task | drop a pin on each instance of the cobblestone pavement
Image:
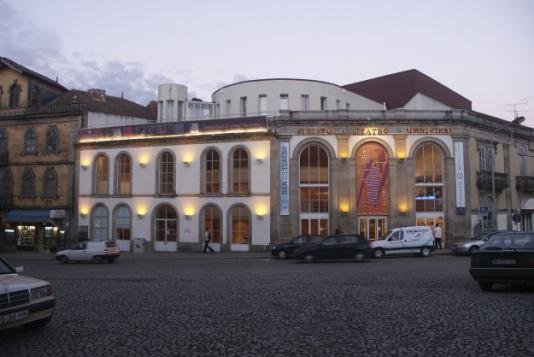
(152, 306)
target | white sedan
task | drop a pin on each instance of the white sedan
(24, 301)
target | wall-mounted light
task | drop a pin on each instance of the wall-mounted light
(84, 211)
(261, 211)
(187, 159)
(141, 212)
(187, 163)
(260, 156)
(85, 164)
(403, 207)
(401, 154)
(189, 212)
(143, 160)
(344, 205)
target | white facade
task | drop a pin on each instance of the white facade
(103, 120)
(269, 96)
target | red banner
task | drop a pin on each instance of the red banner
(372, 180)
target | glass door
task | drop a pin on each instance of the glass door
(314, 226)
(372, 228)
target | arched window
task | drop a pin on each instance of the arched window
(14, 94)
(122, 219)
(30, 142)
(211, 220)
(212, 171)
(166, 224)
(239, 177)
(6, 188)
(50, 183)
(166, 173)
(123, 174)
(314, 190)
(52, 140)
(100, 223)
(28, 184)
(101, 175)
(429, 178)
(240, 224)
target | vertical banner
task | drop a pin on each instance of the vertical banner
(460, 177)
(372, 173)
(284, 178)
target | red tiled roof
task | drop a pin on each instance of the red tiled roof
(397, 89)
(6, 62)
(108, 105)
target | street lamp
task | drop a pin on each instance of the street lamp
(517, 121)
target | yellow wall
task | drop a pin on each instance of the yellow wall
(7, 76)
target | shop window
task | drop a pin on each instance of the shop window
(30, 142)
(212, 171)
(100, 223)
(123, 174)
(50, 183)
(166, 173)
(52, 140)
(166, 224)
(211, 220)
(240, 224)
(122, 220)
(28, 184)
(14, 94)
(240, 173)
(101, 175)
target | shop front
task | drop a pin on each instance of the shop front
(34, 230)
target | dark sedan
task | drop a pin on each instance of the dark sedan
(347, 246)
(505, 258)
(287, 249)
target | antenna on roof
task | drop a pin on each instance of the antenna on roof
(122, 95)
(515, 110)
(57, 79)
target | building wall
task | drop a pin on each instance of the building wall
(7, 76)
(103, 120)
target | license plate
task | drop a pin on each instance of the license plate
(15, 316)
(503, 261)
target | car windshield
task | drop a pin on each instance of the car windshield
(5, 268)
(385, 235)
(511, 241)
(111, 244)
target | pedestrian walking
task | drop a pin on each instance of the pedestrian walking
(338, 229)
(207, 240)
(437, 237)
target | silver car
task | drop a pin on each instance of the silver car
(469, 246)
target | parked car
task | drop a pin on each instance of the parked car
(504, 258)
(24, 301)
(95, 251)
(472, 245)
(346, 246)
(287, 249)
(416, 239)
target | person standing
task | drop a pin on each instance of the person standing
(338, 229)
(437, 237)
(207, 240)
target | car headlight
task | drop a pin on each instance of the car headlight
(41, 292)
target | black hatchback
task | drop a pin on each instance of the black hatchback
(346, 246)
(505, 258)
(287, 249)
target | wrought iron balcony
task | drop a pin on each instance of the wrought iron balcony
(524, 183)
(485, 180)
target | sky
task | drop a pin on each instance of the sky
(482, 49)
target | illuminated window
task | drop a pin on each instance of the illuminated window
(100, 223)
(101, 175)
(122, 222)
(123, 174)
(166, 224)
(240, 224)
(429, 178)
(212, 171)
(166, 173)
(211, 220)
(240, 171)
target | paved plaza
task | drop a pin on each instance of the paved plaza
(251, 305)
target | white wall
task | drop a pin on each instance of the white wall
(422, 102)
(102, 120)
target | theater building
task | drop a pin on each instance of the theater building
(276, 158)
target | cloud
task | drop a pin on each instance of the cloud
(40, 49)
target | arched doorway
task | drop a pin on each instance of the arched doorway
(165, 228)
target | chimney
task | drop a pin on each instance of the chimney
(98, 95)
(152, 106)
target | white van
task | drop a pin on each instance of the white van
(416, 239)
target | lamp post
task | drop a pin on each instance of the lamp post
(517, 121)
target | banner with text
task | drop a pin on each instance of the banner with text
(372, 173)
(284, 178)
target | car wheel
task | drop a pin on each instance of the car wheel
(63, 259)
(378, 253)
(309, 258)
(473, 249)
(282, 254)
(359, 257)
(97, 259)
(425, 252)
(38, 323)
(485, 285)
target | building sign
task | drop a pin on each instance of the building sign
(174, 128)
(284, 178)
(460, 177)
(375, 131)
(372, 180)
(57, 213)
